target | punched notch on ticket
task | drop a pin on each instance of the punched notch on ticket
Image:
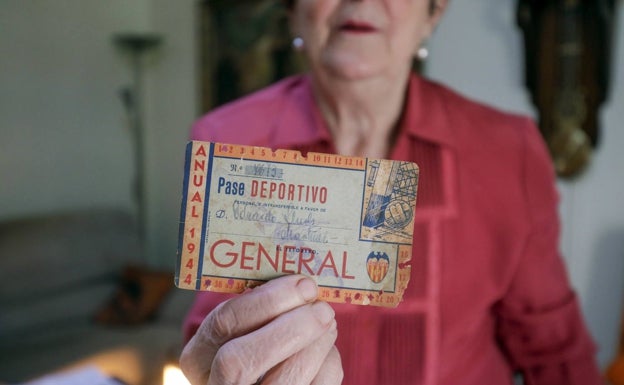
(251, 214)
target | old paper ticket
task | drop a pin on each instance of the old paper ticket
(250, 214)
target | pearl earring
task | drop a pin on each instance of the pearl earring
(297, 43)
(422, 53)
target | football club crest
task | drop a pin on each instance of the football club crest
(377, 265)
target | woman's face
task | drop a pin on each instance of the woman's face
(355, 39)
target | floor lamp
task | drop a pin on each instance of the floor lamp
(137, 44)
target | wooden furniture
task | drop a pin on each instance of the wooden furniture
(568, 53)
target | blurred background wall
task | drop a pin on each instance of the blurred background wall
(65, 141)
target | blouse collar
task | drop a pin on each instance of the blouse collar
(425, 117)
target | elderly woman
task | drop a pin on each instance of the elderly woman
(488, 295)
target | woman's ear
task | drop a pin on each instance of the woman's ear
(292, 23)
(295, 27)
(438, 7)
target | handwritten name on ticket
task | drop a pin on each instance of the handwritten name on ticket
(250, 214)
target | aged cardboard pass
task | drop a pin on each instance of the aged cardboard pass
(250, 214)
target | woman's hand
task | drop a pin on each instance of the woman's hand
(277, 332)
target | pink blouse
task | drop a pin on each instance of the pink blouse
(488, 295)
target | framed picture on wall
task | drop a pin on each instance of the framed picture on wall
(244, 45)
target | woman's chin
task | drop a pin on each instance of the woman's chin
(351, 69)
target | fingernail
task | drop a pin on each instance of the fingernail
(324, 313)
(307, 288)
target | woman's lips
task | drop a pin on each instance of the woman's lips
(353, 26)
